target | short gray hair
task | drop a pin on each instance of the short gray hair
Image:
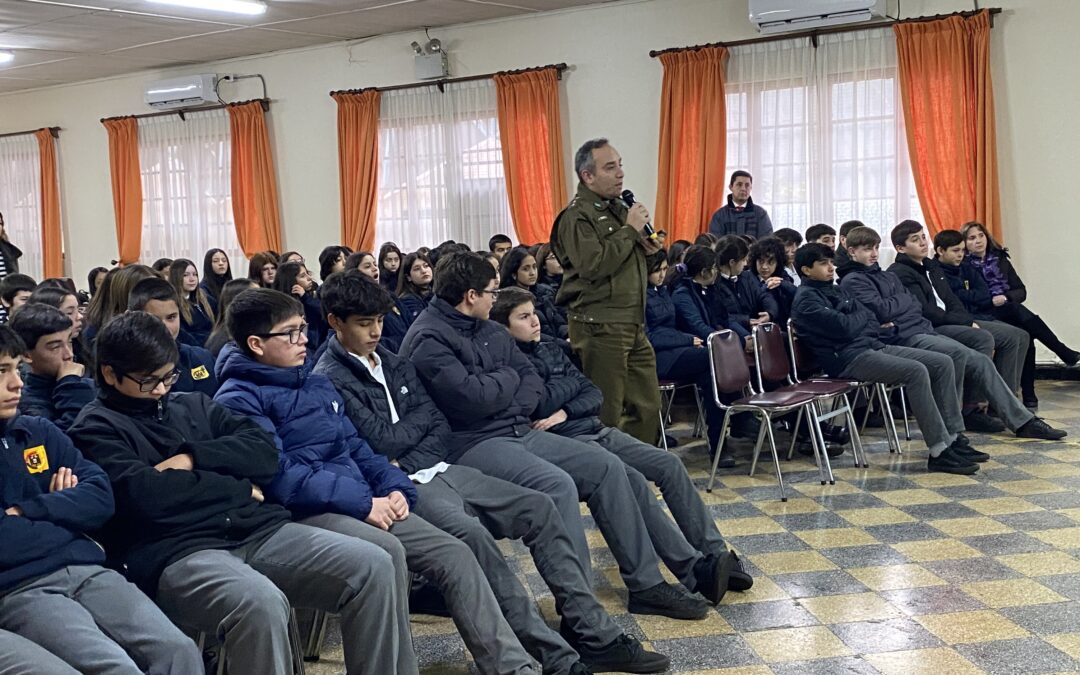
(583, 158)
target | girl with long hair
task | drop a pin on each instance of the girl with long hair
(414, 286)
(217, 271)
(219, 337)
(389, 266)
(263, 269)
(196, 312)
(332, 259)
(111, 298)
(294, 279)
(519, 269)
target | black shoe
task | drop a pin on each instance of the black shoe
(579, 668)
(970, 453)
(625, 655)
(663, 599)
(727, 460)
(807, 450)
(745, 426)
(1073, 360)
(739, 580)
(671, 441)
(1038, 428)
(951, 461)
(836, 434)
(711, 575)
(980, 422)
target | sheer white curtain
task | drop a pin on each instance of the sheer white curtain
(821, 130)
(187, 205)
(440, 167)
(20, 198)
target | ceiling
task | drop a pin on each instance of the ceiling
(60, 41)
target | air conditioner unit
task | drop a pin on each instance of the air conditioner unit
(181, 92)
(782, 16)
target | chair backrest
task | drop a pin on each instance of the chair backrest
(803, 363)
(727, 360)
(770, 355)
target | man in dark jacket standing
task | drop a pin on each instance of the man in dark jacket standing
(488, 390)
(741, 215)
(599, 243)
(193, 528)
(54, 590)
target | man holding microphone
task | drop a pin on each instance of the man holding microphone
(601, 243)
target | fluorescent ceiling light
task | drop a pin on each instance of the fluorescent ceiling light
(6, 56)
(234, 6)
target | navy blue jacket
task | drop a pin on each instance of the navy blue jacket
(884, 294)
(199, 327)
(196, 371)
(393, 330)
(783, 295)
(833, 325)
(752, 220)
(661, 327)
(411, 306)
(743, 298)
(51, 533)
(56, 400)
(475, 374)
(565, 388)
(968, 285)
(552, 317)
(700, 312)
(325, 466)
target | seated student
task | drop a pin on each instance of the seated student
(56, 388)
(884, 294)
(196, 311)
(295, 280)
(54, 590)
(394, 325)
(551, 271)
(924, 278)
(217, 271)
(765, 265)
(328, 471)
(112, 297)
(698, 311)
(390, 266)
(390, 408)
(195, 366)
(821, 234)
(691, 546)
(15, 292)
(519, 270)
(841, 258)
(68, 303)
(193, 529)
(331, 260)
(487, 389)
(500, 245)
(220, 335)
(414, 289)
(792, 241)
(746, 303)
(845, 337)
(968, 286)
(677, 251)
(263, 269)
(22, 657)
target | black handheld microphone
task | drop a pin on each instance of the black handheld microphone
(628, 197)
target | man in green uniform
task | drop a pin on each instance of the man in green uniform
(599, 242)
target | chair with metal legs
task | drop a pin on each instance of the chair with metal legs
(668, 390)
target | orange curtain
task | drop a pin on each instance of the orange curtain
(530, 129)
(948, 103)
(126, 186)
(693, 140)
(358, 166)
(52, 247)
(254, 187)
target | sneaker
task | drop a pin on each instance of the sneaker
(624, 655)
(671, 441)
(1072, 361)
(739, 580)
(807, 450)
(711, 575)
(970, 453)
(727, 461)
(579, 668)
(962, 440)
(1038, 428)
(950, 461)
(663, 599)
(980, 422)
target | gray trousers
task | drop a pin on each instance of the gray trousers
(418, 546)
(693, 534)
(977, 369)
(478, 509)
(96, 621)
(568, 470)
(1006, 345)
(243, 597)
(19, 656)
(931, 388)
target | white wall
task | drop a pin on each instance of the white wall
(612, 89)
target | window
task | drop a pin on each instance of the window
(187, 205)
(20, 199)
(440, 167)
(821, 130)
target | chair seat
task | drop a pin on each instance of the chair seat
(781, 398)
(826, 387)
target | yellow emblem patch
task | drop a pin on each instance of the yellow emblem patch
(36, 459)
(200, 373)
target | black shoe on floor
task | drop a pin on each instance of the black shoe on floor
(579, 668)
(951, 461)
(745, 426)
(970, 453)
(1038, 428)
(624, 655)
(712, 574)
(739, 580)
(727, 461)
(1073, 360)
(663, 599)
(671, 441)
(807, 450)
(980, 422)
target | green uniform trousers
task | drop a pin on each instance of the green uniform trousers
(619, 360)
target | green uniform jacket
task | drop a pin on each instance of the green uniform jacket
(604, 271)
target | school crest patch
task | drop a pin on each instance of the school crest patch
(200, 373)
(36, 459)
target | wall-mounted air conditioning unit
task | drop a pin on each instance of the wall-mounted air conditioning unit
(782, 16)
(181, 92)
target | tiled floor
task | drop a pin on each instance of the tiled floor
(892, 570)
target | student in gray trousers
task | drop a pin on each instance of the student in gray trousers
(19, 656)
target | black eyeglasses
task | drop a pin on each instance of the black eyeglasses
(149, 384)
(293, 334)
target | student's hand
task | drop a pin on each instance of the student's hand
(698, 342)
(181, 462)
(257, 493)
(888, 325)
(762, 317)
(297, 289)
(399, 504)
(975, 325)
(772, 282)
(637, 217)
(70, 368)
(999, 300)
(557, 418)
(749, 346)
(381, 514)
(13, 511)
(63, 479)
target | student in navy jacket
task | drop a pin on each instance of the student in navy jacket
(54, 590)
(746, 302)
(328, 471)
(766, 265)
(414, 286)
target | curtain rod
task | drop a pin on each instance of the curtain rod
(559, 68)
(55, 131)
(264, 102)
(813, 34)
